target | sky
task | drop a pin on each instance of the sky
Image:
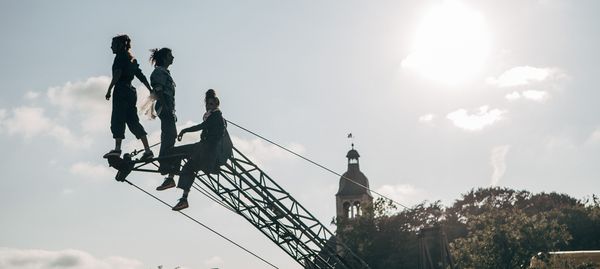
(441, 97)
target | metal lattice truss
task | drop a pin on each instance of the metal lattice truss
(244, 188)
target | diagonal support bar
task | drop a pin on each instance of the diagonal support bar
(251, 193)
(247, 190)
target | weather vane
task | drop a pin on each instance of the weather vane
(351, 139)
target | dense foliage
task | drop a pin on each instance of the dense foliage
(485, 228)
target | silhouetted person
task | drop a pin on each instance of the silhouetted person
(124, 110)
(163, 88)
(202, 155)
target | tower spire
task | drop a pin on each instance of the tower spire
(353, 196)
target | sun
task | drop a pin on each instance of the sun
(451, 44)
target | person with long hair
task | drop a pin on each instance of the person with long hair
(202, 155)
(124, 111)
(164, 91)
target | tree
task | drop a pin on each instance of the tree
(389, 240)
(487, 228)
(506, 238)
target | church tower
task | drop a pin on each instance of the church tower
(353, 200)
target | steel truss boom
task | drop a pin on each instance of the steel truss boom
(247, 190)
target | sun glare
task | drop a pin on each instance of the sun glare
(451, 44)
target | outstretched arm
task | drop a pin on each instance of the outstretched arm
(195, 128)
(143, 79)
(191, 130)
(116, 75)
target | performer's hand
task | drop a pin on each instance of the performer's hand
(107, 96)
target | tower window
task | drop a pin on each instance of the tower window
(352, 210)
(347, 209)
(357, 209)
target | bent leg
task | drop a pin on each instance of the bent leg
(186, 178)
(174, 156)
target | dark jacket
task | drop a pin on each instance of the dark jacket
(164, 87)
(129, 68)
(212, 128)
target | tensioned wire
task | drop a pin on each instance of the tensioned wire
(317, 164)
(225, 206)
(200, 189)
(302, 157)
(203, 225)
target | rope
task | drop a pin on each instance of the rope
(136, 152)
(199, 188)
(195, 186)
(317, 164)
(203, 225)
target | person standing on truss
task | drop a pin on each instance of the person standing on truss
(124, 111)
(202, 155)
(164, 92)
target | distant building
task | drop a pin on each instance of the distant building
(353, 200)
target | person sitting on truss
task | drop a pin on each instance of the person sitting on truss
(202, 155)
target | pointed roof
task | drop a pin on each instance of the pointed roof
(348, 187)
(353, 154)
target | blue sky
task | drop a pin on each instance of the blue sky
(441, 97)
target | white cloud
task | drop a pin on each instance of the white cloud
(27, 121)
(32, 95)
(534, 95)
(2, 117)
(68, 139)
(88, 170)
(403, 193)
(67, 107)
(261, 152)
(84, 99)
(538, 96)
(475, 122)
(214, 262)
(498, 162)
(513, 96)
(426, 118)
(11, 258)
(32, 121)
(522, 75)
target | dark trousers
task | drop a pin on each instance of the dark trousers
(201, 156)
(168, 135)
(124, 111)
